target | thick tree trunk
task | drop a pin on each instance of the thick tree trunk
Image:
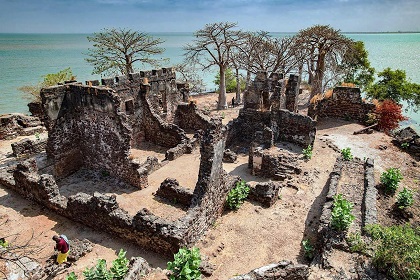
(248, 80)
(238, 88)
(319, 75)
(222, 104)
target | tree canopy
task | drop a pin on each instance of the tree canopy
(116, 51)
(214, 47)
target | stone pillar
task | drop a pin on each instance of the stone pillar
(292, 93)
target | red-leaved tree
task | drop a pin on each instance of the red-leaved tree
(389, 115)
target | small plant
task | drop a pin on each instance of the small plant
(237, 195)
(223, 116)
(397, 251)
(307, 153)
(3, 243)
(405, 145)
(37, 136)
(405, 199)
(119, 266)
(98, 272)
(186, 265)
(341, 217)
(71, 276)
(346, 153)
(356, 243)
(308, 249)
(390, 179)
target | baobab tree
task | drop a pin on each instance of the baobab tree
(214, 47)
(115, 51)
(321, 44)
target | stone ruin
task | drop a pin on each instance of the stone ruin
(345, 103)
(14, 125)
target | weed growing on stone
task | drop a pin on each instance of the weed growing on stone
(397, 251)
(405, 199)
(341, 217)
(405, 145)
(356, 243)
(237, 195)
(307, 153)
(186, 264)
(346, 153)
(308, 249)
(390, 179)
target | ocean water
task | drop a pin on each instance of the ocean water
(25, 58)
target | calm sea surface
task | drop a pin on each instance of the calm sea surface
(25, 58)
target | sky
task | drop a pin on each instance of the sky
(87, 16)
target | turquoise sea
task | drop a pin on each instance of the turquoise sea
(24, 58)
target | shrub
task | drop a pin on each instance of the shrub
(405, 145)
(405, 198)
(186, 264)
(390, 179)
(308, 249)
(307, 153)
(100, 272)
(397, 251)
(356, 243)
(341, 217)
(389, 115)
(237, 195)
(346, 153)
(119, 266)
(71, 276)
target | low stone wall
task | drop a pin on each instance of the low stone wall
(28, 147)
(172, 191)
(188, 116)
(14, 125)
(369, 197)
(265, 193)
(345, 103)
(284, 270)
(408, 140)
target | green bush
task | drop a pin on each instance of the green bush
(71, 276)
(308, 249)
(237, 195)
(405, 198)
(346, 153)
(397, 251)
(119, 266)
(100, 272)
(186, 264)
(390, 179)
(356, 243)
(341, 217)
(307, 153)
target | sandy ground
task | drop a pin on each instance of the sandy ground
(239, 241)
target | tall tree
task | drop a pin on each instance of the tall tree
(322, 43)
(115, 51)
(213, 47)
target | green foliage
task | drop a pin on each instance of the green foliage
(33, 91)
(393, 84)
(397, 251)
(230, 81)
(341, 217)
(346, 153)
(390, 179)
(186, 264)
(3, 243)
(405, 198)
(357, 66)
(71, 276)
(405, 145)
(117, 271)
(356, 243)
(308, 249)
(237, 195)
(99, 272)
(307, 153)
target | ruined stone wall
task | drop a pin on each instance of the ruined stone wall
(345, 103)
(189, 117)
(292, 93)
(14, 125)
(27, 146)
(91, 131)
(293, 127)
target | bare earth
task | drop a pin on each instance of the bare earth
(239, 241)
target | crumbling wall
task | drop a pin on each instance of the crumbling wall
(292, 93)
(345, 103)
(14, 125)
(188, 116)
(27, 146)
(284, 270)
(90, 130)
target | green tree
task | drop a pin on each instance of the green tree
(394, 85)
(230, 81)
(33, 91)
(357, 67)
(116, 51)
